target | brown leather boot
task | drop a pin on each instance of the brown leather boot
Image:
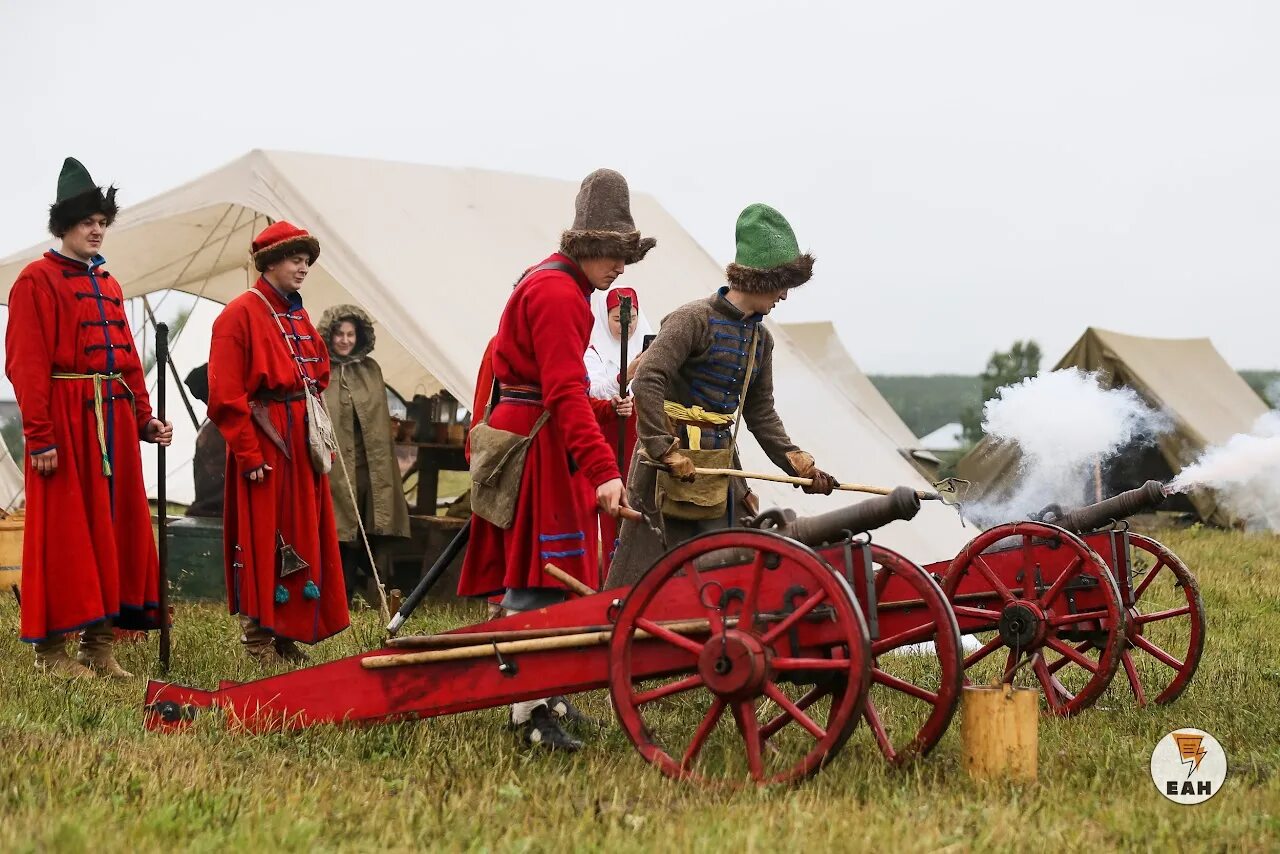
(96, 651)
(52, 658)
(259, 643)
(290, 651)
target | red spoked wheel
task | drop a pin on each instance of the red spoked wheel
(784, 654)
(1034, 591)
(917, 667)
(1167, 619)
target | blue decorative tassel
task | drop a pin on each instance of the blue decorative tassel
(282, 595)
(311, 591)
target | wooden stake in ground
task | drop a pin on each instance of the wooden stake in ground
(998, 727)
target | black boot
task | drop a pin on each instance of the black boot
(570, 714)
(543, 730)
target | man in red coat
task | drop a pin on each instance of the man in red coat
(88, 555)
(284, 571)
(537, 361)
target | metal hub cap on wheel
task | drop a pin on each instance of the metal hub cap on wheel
(733, 665)
(1021, 625)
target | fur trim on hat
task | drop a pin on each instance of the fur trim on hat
(365, 336)
(68, 212)
(790, 275)
(276, 252)
(646, 243)
(630, 246)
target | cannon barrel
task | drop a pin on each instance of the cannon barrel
(1093, 516)
(902, 503)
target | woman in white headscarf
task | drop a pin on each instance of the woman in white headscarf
(602, 361)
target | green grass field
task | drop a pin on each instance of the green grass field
(78, 773)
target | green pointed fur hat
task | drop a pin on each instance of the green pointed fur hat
(78, 197)
(769, 256)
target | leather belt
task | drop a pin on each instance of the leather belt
(268, 397)
(527, 393)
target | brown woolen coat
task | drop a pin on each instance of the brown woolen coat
(684, 343)
(357, 392)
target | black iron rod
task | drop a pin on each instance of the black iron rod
(162, 502)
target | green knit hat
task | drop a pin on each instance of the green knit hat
(78, 197)
(769, 256)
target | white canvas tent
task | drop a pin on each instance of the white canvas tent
(189, 349)
(820, 343)
(11, 481)
(432, 252)
(948, 437)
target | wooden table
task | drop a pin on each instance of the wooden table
(433, 457)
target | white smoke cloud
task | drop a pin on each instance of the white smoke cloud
(1064, 423)
(1244, 472)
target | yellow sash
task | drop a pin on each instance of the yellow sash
(680, 412)
(98, 380)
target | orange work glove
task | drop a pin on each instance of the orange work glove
(823, 483)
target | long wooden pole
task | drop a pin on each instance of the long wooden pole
(922, 494)
(485, 650)
(568, 580)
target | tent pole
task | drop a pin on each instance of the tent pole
(177, 380)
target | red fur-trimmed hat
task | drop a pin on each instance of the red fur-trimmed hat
(280, 240)
(614, 297)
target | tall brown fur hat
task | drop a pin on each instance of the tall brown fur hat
(602, 223)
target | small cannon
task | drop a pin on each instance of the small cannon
(764, 646)
(1079, 597)
(903, 503)
(1091, 517)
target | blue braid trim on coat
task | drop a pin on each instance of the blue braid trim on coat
(718, 406)
(67, 631)
(553, 538)
(571, 553)
(714, 377)
(725, 337)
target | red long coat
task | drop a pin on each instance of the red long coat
(543, 333)
(88, 553)
(249, 359)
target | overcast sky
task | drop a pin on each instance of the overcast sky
(965, 173)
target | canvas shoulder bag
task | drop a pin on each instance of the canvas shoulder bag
(707, 497)
(498, 456)
(497, 467)
(322, 444)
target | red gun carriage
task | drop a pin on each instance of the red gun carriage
(794, 643)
